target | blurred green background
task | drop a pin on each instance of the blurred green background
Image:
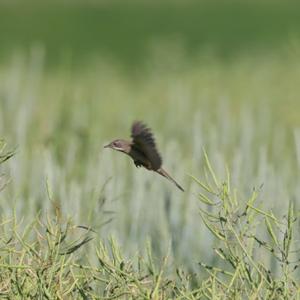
(127, 30)
(212, 74)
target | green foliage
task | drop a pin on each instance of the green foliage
(5, 155)
(46, 259)
(79, 222)
(249, 238)
(60, 121)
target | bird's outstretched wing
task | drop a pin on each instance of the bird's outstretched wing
(143, 140)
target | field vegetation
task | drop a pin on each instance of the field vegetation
(81, 222)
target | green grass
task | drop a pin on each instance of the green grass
(258, 255)
(79, 221)
(244, 113)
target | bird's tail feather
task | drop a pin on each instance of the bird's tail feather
(163, 173)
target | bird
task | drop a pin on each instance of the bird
(142, 149)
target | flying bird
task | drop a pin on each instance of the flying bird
(142, 149)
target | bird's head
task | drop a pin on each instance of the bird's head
(119, 145)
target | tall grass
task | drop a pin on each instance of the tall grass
(244, 113)
(47, 258)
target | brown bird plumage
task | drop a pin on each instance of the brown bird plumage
(142, 149)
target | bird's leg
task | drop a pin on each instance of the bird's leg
(138, 163)
(146, 165)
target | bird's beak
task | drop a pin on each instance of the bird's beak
(107, 146)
